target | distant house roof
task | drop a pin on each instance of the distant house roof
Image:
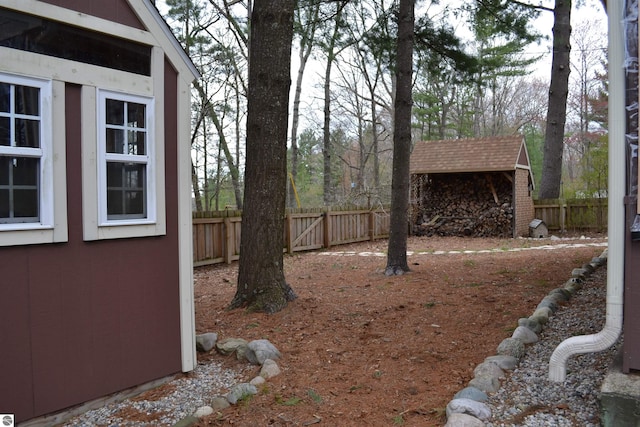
(494, 154)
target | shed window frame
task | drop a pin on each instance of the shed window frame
(49, 224)
(132, 160)
(97, 223)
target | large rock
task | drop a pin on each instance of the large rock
(540, 320)
(205, 342)
(229, 345)
(257, 381)
(186, 421)
(243, 353)
(472, 393)
(579, 273)
(562, 294)
(241, 391)
(511, 347)
(261, 350)
(601, 260)
(470, 407)
(508, 363)
(486, 383)
(572, 286)
(463, 420)
(488, 369)
(549, 302)
(219, 403)
(525, 335)
(269, 369)
(542, 315)
(530, 323)
(203, 411)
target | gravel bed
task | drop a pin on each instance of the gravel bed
(164, 409)
(528, 398)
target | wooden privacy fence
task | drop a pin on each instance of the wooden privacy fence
(573, 214)
(216, 235)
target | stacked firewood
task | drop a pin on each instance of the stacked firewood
(476, 205)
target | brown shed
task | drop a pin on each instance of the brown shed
(471, 187)
(96, 293)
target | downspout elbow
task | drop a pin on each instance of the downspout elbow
(584, 344)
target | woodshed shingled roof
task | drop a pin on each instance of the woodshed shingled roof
(503, 153)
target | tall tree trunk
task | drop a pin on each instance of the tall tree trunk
(195, 183)
(557, 111)
(397, 250)
(375, 138)
(446, 104)
(306, 45)
(327, 149)
(326, 134)
(196, 188)
(261, 283)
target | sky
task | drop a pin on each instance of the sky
(592, 10)
(542, 69)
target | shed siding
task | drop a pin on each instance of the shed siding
(524, 207)
(113, 10)
(16, 387)
(85, 319)
(631, 345)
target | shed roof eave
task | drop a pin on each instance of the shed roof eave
(451, 171)
(470, 155)
(164, 27)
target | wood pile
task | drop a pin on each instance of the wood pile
(475, 205)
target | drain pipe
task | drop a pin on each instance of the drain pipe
(616, 224)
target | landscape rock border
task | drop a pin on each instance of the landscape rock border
(257, 352)
(467, 408)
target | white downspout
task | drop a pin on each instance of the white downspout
(616, 224)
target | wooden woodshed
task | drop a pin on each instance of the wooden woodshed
(471, 187)
(95, 215)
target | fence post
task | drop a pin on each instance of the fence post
(563, 215)
(289, 233)
(327, 228)
(372, 225)
(227, 240)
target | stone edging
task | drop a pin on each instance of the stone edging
(467, 408)
(257, 352)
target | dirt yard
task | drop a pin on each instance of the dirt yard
(362, 349)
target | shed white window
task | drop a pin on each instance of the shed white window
(123, 164)
(28, 203)
(25, 146)
(126, 167)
